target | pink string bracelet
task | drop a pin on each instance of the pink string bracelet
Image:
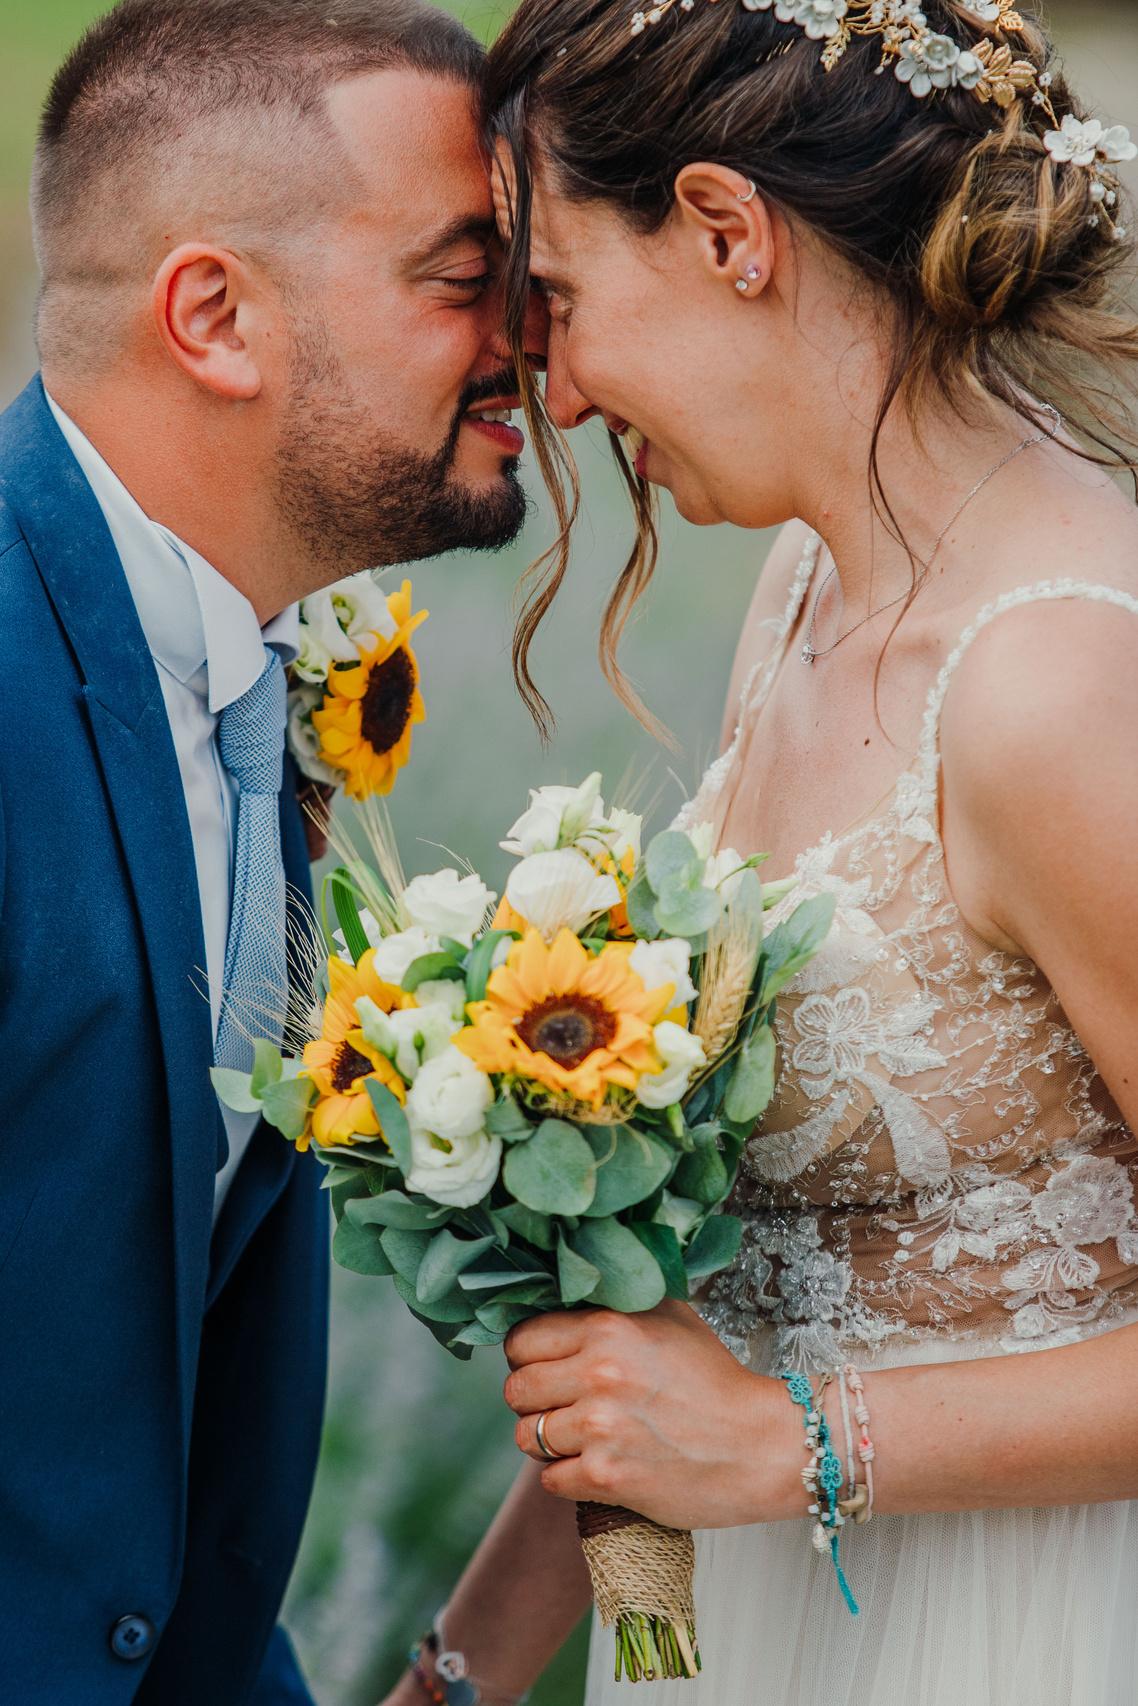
(860, 1504)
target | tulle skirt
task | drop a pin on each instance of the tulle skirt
(984, 1608)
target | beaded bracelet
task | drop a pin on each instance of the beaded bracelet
(451, 1684)
(865, 1449)
(822, 1475)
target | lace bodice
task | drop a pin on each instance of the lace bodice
(941, 1156)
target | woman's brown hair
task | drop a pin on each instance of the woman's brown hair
(1003, 269)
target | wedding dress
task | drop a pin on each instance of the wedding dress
(942, 1175)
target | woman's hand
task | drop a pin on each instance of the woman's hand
(651, 1412)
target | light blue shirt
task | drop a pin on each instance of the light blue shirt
(208, 648)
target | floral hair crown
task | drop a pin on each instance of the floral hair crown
(926, 60)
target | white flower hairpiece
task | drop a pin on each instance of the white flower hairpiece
(926, 60)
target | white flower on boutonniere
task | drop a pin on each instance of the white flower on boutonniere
(447, 904)
(340, 619)
(303, 740)
(560, 890)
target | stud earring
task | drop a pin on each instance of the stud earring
(750, 277)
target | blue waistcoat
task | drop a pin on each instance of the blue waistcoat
(161, 1390)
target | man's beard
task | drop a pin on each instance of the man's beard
(359, 499)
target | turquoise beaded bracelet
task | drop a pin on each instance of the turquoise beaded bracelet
(822, 1475)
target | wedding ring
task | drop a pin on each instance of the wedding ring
(543, 1444)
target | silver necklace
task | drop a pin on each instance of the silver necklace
(809, 651)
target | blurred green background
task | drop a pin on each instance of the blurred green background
(418, 1449)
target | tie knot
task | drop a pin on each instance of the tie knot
(250, 734)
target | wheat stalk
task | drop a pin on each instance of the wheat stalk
(725, 979)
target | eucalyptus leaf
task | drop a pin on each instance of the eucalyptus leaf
(500, 1279)
(554, 1172)
(640, 904)
(286, 1104)
(446, 1257)
(404, 1250)
(344, 1185)
(506, 1120)
(576, 1277)
(480, 962)
(752, 1082)
(432, 968)
(527, 1224)
(232, 1088)
(395, 1209)
(662, 1242)
(682, 1214)
(266, 1067)
(671, 861)
(500, 1317)
(793, 944)
(631, 1279)
(454, 1307)
(703, 1174)
(360, 1249)
(630, 1166)
(392, 1123)
(475, 1333)
(714, 1246)
(689, 912)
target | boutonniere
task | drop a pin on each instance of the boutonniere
(354, 688)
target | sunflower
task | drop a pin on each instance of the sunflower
(370, 707)
(574, 1023)
(341, 1060)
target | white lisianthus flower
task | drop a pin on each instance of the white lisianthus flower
(456, 1172)
(623, 833)
(682, 1054)
(320, 625)
(447, 904)
(304, 740)
(724, 872)
(557, 817)
(395, 953)
(361, 609)
(450, 1096)
(409, 1037)
(313, 660)
(447, 993)
(559, 890)
(666, 961)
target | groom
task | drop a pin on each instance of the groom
(269, 339)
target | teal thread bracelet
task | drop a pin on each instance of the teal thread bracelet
(822, 1475)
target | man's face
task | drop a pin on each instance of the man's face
(386, 454)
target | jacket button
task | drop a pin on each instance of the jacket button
(133, 1638)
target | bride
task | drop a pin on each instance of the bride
(871, 295)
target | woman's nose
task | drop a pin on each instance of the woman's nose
(567, 406)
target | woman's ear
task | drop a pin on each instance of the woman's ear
(204, 312)
(730, 223)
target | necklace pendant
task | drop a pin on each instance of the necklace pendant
(808, 654)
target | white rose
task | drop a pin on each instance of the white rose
(559, 890)
(395, 953)
(457, 1172)
(410, 1037)
(556, 818)
(682, 1054)
(447, 993)
(666, 961)
(304, 740)
(450, 1096)
(448, 905)
(724, 872)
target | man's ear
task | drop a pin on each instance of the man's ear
(202, 308)
(731, 224)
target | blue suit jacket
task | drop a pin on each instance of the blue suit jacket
(161, 1390)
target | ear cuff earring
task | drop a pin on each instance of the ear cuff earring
(750, 277)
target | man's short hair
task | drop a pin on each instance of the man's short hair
(155, 85)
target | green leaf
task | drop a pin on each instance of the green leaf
(672, 862)
(793, 943)
(343, 1185)
(392, 1123)
(500, 1279)
(360, 1249)
(479, 962)
(404, 1250)
(506, 1120)
(576, 1277)
(689, 912)
(682, 1214)
(446, 1257)
(395, 1209)
(527, 1224)
(662, 1242)
(347, 905)
(630, 1166)
(266, 1067)
(233, 1089)
(286, 1104)
(752, 1082)
(631, 1279)
(500, 1317)
(554, 1172)
(432, 968)
(454, 1307)
(475, 1333)
(703, 1174)
(640, 904)
(714, 1246)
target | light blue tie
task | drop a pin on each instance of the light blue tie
(250, 739)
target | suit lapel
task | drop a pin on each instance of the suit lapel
(68, 538)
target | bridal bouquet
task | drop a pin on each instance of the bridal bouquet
(542, 1107)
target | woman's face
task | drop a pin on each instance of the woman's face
(644, 332)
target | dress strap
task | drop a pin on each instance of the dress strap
(928, 764)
